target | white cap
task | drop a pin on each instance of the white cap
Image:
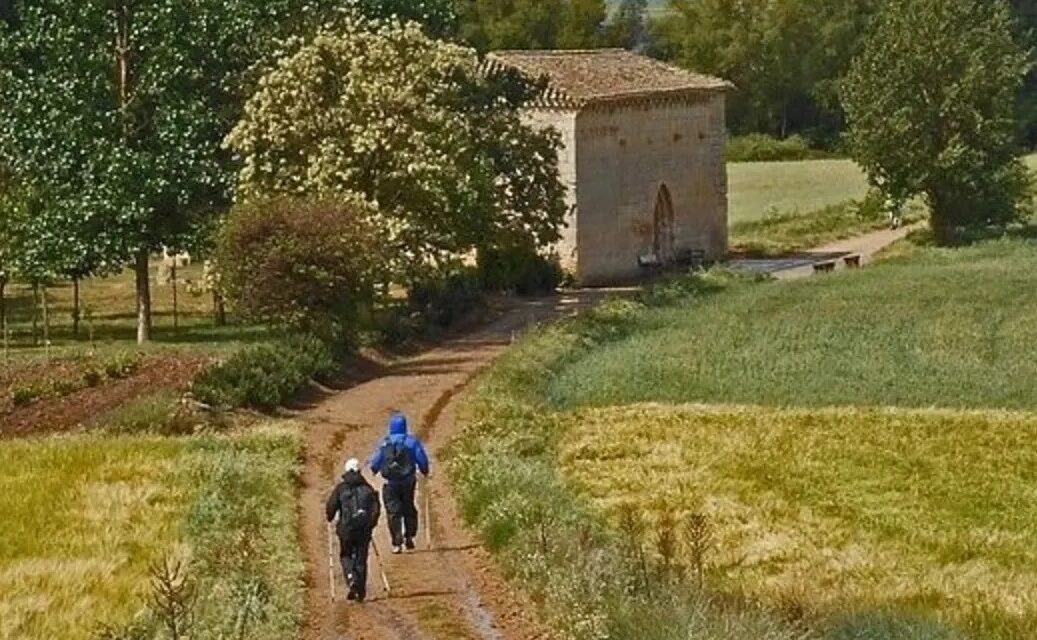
(352, 465)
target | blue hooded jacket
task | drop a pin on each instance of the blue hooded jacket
(398, 433)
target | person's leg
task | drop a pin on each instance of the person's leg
(410, 514)
(346, 559)
(360, 569)
(392, 497)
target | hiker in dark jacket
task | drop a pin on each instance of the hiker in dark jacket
(355, 502)
(399, 458)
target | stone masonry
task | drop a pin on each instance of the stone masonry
(643, 159)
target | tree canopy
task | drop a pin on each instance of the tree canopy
(532, 24)
(931, 108)
(407, 122)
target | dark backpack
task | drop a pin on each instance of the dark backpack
(399, 463)
(354, 517)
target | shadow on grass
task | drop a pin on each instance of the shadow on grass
(883, 626)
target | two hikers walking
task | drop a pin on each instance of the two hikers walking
(398, 458)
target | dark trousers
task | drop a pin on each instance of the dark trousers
(354, 563)
(403, 514)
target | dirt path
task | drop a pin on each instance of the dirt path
(450, 591)
(802, 265)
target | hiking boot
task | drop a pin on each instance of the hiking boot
(397, 549)
(351, 595)
(360, 597)
(409, 543)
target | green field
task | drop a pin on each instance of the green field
(757, 189)
(85, 517)
(860, 448)
(836, 512)
(949, 328)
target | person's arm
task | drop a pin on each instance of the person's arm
(332, 506)
(421, 457)
(377, 459)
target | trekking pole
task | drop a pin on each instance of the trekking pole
(381, 568)
(331, 563)
(428, 513)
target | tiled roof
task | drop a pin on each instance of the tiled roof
(577, 78)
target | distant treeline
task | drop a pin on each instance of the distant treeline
(786, 57)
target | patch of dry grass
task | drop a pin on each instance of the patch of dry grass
(83, 518)
(86, 516)
(837, 511)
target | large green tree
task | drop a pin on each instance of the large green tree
(931, 108)
(532, 24)
(628, 25)
(785, 56)
(410, 125)
(117, 109)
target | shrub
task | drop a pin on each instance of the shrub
(23, 395)
(520, 269)
(307, 265)
(442, 302)
(265, 376)
(157, 414)
(759, 147)
(122, 365)
(93, 376)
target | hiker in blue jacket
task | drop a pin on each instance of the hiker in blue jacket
(398, 459)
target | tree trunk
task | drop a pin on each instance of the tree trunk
(35, 314)
(46, 325)
(219, 311)
(172, 279)
(141, 271)
(75, 307)
(3, 317)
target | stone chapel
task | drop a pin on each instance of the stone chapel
(643, 159)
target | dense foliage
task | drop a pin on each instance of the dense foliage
(408, 124)
(532, 24)
(785, 57)
(114, 114)
(310, 265)
(265, 376)
(931, 105)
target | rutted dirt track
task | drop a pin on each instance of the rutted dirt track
(451, 590)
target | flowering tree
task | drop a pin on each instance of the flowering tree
(116, 109)
(408, 123)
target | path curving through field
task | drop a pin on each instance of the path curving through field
(450, 591)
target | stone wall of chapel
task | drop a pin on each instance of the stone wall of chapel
(565, 123)
(624, 152)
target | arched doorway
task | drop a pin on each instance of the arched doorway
(663, 241)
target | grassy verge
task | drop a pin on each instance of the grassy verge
(784, 233)
(586, 578)
(948, 328)
(86, 518)
(834, 514)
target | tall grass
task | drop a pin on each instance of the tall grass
(83, 518)
(548, 539)
(86, 518)
(948, 328)
(841, 512)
